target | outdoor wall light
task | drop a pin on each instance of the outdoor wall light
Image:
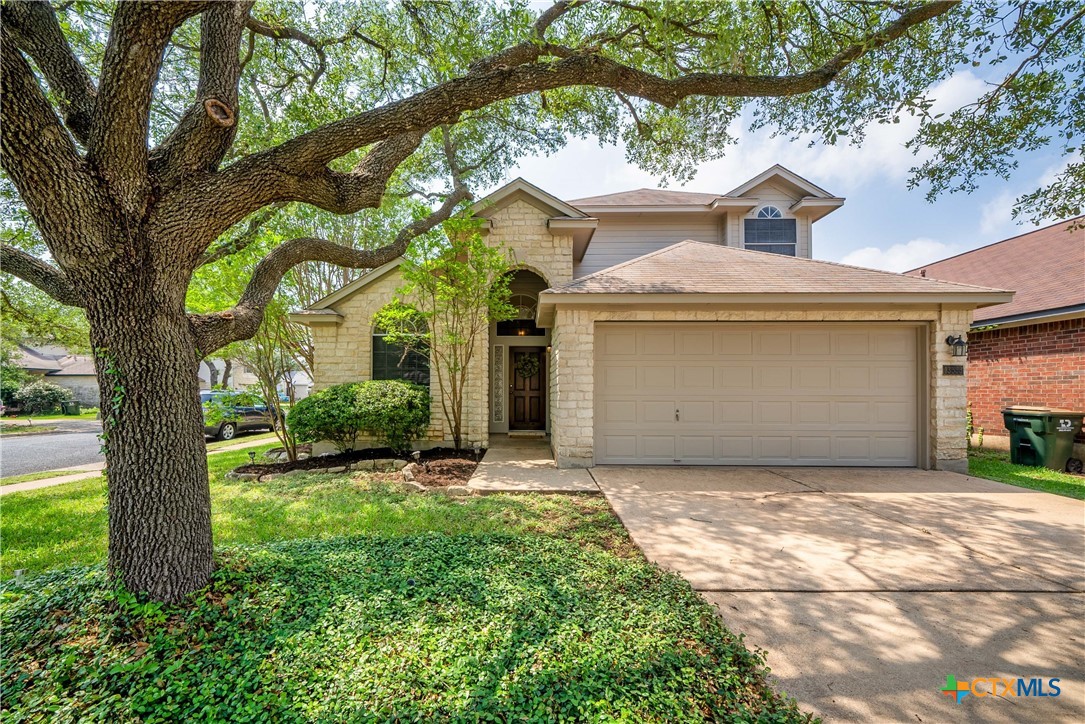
(960, 347)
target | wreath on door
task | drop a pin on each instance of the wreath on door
(527, 366)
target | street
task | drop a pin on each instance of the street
(22, 454)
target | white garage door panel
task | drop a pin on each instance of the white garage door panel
(746, 395)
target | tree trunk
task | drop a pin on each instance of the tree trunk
(159, 500)
(212, 373)
(227, 367)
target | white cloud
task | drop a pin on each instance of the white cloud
(900, 257)
(996, 215)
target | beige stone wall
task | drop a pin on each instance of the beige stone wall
(343, 352)
(572, 379)
(522, 228)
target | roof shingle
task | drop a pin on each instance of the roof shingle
(694, 267)
(1045, 267)
(648, 197)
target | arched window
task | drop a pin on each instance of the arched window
(770, 232)
(396, 361)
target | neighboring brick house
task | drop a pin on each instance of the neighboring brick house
(667, 327)
(1030, 351)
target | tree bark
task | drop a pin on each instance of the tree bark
(227, 368)
(159, 500)
(212, 373)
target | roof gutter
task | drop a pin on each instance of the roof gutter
(549, 301)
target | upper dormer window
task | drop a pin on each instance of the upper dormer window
(771, 232)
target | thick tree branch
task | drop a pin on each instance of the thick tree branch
(35, 30)
(45, 277)
(214, 331)
(117, 147)
(220, 200)
(38, 153)
(242, 240)
(488, 83)
(207, 129)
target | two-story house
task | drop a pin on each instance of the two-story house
(667, 327)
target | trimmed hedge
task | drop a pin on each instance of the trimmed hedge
(393, 411)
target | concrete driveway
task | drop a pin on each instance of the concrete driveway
(867, 587)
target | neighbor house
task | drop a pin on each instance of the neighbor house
(72, 371)
(1030, 351)
(668, 327)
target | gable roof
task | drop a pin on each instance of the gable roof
(777, 171)
(519, 188)
(700, 268)
(648, 197)
(1045, 267)
(349, 289)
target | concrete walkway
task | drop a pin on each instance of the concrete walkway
(94, 470)
(867, 587)
(526, 465)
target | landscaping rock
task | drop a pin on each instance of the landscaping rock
(457, 490)
(413, 487)
(366, 465)
(270, 476)
(399, 464)
(384, 465)
(407, 475)
(274, 453)
(338, 469)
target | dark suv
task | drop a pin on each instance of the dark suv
(241, 417)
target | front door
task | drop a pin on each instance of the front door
(528, 402)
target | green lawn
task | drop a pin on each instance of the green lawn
(996, 465)
(92, 415)
(8, 428)
(29, 477)
(339, 598)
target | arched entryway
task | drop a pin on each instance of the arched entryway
(519, 362)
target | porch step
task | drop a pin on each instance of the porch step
(528, 434)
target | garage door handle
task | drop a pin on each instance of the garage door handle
(676, 415)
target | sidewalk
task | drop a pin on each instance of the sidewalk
(516, 465)
(93, 470)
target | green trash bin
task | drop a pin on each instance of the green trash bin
(1040, 436)
(69, 407)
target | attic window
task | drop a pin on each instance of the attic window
(771, 232)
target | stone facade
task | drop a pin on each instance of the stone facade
(344, 352)
(572, 405)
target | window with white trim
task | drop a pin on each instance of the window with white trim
(770, 232)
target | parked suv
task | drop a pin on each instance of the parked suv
(240, 418)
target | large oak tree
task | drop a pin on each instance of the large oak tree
(142, 138)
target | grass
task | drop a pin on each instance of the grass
(12, 429)
(30, 477)
(996, 465)
(85, 415)
(66, 525)
(242, 437)
(340, 598)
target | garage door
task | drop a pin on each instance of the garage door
(713, 394)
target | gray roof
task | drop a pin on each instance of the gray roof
(694, 267)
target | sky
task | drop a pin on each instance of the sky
(882, 225)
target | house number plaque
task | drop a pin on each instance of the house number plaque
(953, 370)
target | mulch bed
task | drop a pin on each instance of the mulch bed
(445, 465)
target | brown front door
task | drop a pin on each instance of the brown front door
(528, 393)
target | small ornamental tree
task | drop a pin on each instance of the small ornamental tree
(41, 396)
(453, 288)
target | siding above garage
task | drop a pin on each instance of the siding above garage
(623, 237)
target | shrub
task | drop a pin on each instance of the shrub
(393, 411)
(41, 396)
(331, 414)
(12, 378)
